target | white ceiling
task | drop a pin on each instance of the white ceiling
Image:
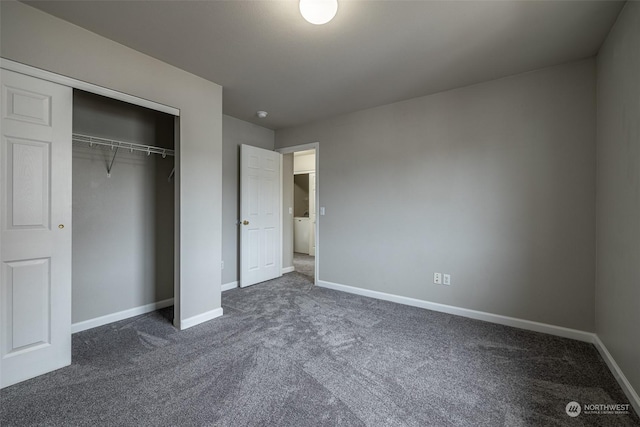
(374, 52)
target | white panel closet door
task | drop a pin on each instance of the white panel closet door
(260, 205)
(35, 222)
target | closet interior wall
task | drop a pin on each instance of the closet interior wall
(123, 225)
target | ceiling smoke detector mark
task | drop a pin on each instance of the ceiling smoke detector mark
(261, 114)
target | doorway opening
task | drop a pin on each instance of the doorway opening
(300, 248)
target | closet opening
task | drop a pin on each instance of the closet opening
(123, 211)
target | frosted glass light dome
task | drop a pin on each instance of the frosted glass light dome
(318, 12)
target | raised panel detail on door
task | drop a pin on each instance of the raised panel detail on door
(269, 242)
(27, 183)
(268, 200)
(253, 195)
(26, 302)
(253, 263)
(270, 164)
(28, 106)
(253, 162)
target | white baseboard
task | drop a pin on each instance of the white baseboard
(229, 286)
(618, 374)
(286, 270)
(200, 318)
(504, 320)
(465, 312)
(121, 315)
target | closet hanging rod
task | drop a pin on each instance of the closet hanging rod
(114, 144)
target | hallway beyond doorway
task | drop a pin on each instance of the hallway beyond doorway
(304, 264)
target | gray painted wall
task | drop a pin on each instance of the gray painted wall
(235, 132)
(287, 218)
(493, 183)
(32, 37)
(618, 188)
(123, 225)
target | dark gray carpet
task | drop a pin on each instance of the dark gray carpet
(304, 264)
(289, 354)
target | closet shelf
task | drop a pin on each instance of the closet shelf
(116, 145)
(113, 144)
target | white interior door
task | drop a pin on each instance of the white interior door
(260, 206)
(35, 225)
(312, 214)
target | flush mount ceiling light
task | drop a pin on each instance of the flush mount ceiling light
(261, 114)
(318, 12)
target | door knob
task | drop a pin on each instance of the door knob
(245, 222)
(61, 226)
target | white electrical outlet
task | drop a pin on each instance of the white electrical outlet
(446, 279)
(437, 278)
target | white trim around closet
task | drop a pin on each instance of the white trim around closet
(200, 318)
(18, 67)
(121, 315)
(229, 286)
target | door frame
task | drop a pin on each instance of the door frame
(41, 74)
(293, 149)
